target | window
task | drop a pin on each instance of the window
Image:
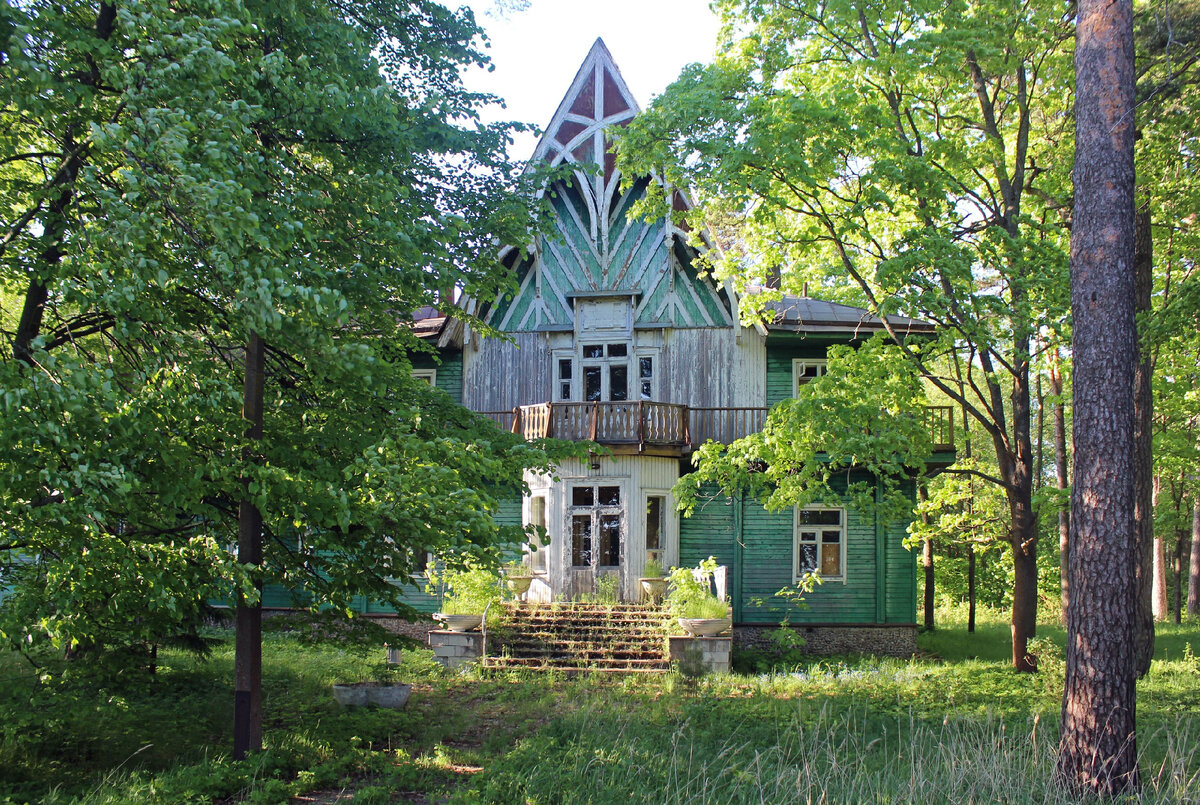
(595, 523)
(427, 375)
(564, 378)
(538, 551)
(656, 526)
(646, 377)
(806, 370)
(820, 543)
(605, 372)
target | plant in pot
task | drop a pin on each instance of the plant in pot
(699, 612)
(653, 582)
(517, 577)
(469, 591)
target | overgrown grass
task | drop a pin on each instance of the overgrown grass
(956, 727)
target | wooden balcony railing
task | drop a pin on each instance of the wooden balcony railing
(665, 424)
(606, 422)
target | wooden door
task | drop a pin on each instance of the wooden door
(596, 530)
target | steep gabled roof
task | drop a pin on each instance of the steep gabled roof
(598, 99)
(595, 249)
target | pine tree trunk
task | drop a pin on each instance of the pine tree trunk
(1193, 601)
(1159, 592)
(1177, 571)
(1144, 486)
(1062, 479)
(1097, 750)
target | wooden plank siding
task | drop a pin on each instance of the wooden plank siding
(448, 368)
(757, 546)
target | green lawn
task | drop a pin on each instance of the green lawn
(955, 727)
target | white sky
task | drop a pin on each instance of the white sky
(537, 51)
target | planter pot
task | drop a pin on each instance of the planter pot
(518, 584)
(459, 623)
(705, 627)
(390, 695)
(654, 587)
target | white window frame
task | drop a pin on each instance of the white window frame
(797, 571)
(542, 549)
(426, 374)
(666, 535)
(628, 360)
(798, 366)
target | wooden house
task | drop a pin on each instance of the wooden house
(613, 337)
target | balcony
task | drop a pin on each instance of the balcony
(654, 428)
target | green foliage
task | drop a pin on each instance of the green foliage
(906, 724)
(608, 589)
(865, 414)
(653, 569)
(469, 590)
(177, 175)
(689, 594)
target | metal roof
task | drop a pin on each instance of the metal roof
(800, 314)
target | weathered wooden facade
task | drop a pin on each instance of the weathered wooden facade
(612, 336)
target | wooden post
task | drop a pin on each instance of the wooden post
(247, 713)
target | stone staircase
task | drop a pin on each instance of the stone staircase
(579, 637)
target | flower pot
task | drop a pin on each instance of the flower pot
(389, 695)
(459, 623)
(518, 584)
(654, 587)
(705, 627)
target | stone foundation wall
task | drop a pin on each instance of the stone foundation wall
(888, 641)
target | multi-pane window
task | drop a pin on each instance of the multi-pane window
(805, 370)
(538, 551)
(564, 378)
(656, 525)
(426, 375)
(605, 369)
(820, 543)
(595, 526)
(646, 377)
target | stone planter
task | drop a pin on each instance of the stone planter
(654, 587)
(459, 623)
(390, 695)
(518, 584)
(705, 627)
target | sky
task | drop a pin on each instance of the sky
(536, 51)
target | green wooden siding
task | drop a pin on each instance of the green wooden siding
(780, 355)
(448, 368)
(757, 547)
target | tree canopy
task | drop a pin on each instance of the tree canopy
(174, 176)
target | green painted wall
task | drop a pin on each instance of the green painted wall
(449, 371)
(756, 545)
(780, 353)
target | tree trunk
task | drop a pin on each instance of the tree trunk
(1177, 570)
(1143, 477)
(970, 588)
(1097, 750)
(1159, 592)
(1193, 601)
(247, 717)
(1062, 479)
(927, 561)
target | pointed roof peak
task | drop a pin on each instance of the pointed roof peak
(598, 98)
